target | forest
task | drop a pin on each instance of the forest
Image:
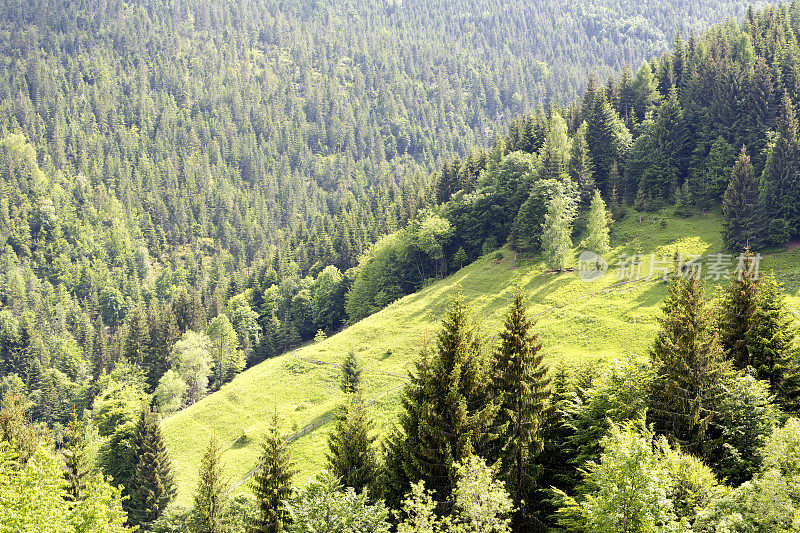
(192, 188)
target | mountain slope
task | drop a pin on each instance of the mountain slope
(578, 323)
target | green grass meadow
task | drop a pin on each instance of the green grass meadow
(578, 322)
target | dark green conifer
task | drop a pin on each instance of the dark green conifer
(210, 500)
(690, 371)
(352, 455)
(272, 483)
(351, 374)
(446, 412)
(522, 391)
(740, 206)
(152, 486)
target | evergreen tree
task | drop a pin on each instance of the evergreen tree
(272, 483)
(77, 462)
(446, 413)
(557, 229)
(780, 174)
(580, 166)
(771, 343)
(607, 139)
(210, 499)
(352, 455)
(152, 486)
(598, 225)
(522, 389)
(690, 369)
(740, 207)
(736, 312)
(351, 374)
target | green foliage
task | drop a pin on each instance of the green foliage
(352, 457)
(210, 501)
(520, 383)
(740, 207)
(152, 486)
(557, 229)
(191, 359)
(227, 358)
(638, 484)
(271, 484)
(16, 428)
(324, 506)
(690, 370)
(34, 497)
(597, 227)
(351, 374)
(446, 414)
(481, 504)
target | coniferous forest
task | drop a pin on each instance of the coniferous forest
(192, 188)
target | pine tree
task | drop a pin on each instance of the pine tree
(351, 374)
(598, 225)
(522, 390)
(771, 343)
(690, 369)
(352, 455)
(741, 210)
(152, 487)
(210, 499)
(446, 413)
(272, 483)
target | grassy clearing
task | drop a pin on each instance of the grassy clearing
(578, 323)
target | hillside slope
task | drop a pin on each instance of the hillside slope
(578, 322)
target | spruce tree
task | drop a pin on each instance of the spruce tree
(598, 225)
(740, 206)
(210, 500)
(771, 345)
(351, 374)
(736, 313)
(152, 486)
(690, 370)
(77, 465)
(580, 166)
(780, 174)
(522, 391)
(352, 455)
(446, 412)
(272, 483)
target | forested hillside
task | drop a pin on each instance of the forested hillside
(161, 158)
(191, 188)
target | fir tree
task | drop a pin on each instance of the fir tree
(351, 374)
(740, 206)
(210, 499)
(522, 390)
(690, 369)
(736, 313)
(152, 486)
(352, 456)
(77, 462)
(598, 225)
(780, 173)
(446, 413)
(580, 166)
(272, 483)
(771, 345)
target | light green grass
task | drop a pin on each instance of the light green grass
(582, 327)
